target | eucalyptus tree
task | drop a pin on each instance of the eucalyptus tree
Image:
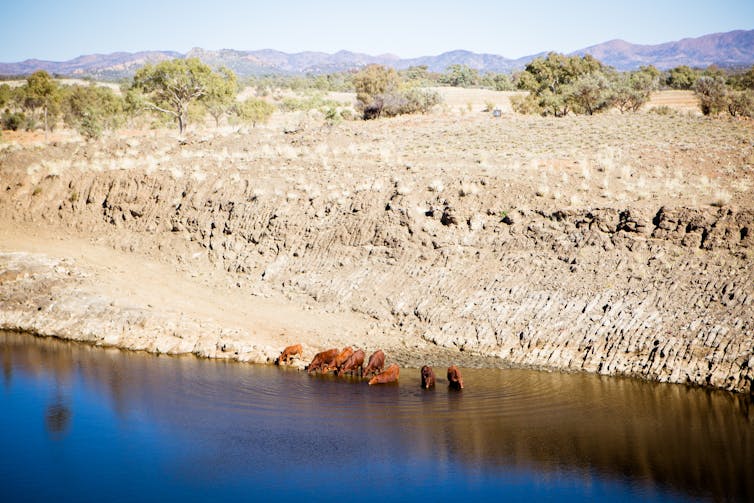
(171, 86)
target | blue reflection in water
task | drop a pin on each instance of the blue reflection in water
(87, 424)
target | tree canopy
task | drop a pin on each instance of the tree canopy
(170, 86)
(557, 82)
(42, 93)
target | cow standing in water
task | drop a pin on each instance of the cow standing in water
(388, 375)
(322, 360)
(355, 361)
(428, 377)
(455, 380)
(376, 363)
(339, 360)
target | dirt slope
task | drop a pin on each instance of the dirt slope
(618, 245)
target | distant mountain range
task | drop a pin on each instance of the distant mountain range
(735, 48)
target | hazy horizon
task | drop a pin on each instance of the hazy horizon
(55, 31)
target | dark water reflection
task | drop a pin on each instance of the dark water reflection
(91, 424)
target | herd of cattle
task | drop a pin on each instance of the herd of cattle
(349, 361)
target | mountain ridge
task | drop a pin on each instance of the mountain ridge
(728, 49)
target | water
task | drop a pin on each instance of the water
(89, 424)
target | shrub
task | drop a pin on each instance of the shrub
(662, 110)
(525, 104)
(632, 90)
(313, 101)
(254, 111)
(13, 120)
(372, 84)
(590, 93)
(712, 94)
(741, 104)
(90, 128)
(378, 93)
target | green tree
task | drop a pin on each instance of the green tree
(6, 96)
(741, 81)
(631, 90)
(460, 76)
(221, 94)
(92, 109)
(747, 79)
(652, 73)
(551, 84)
(171, 86)
(590, 93)
(418, 75)
(502, 82)
(42, 94)
(682, 77)
(254, 110)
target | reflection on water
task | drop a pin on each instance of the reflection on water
(185, 427)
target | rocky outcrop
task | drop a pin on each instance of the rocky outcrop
(662, 293)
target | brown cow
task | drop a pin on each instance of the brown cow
(428, 377)
(376, 363)
(355, 361)
(389, 375)
(322, 360)
(288, 353)
(455, 380)
(339, 360)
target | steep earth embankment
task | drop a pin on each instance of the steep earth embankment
(662, 293)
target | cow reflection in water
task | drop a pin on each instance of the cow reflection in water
(57, 418)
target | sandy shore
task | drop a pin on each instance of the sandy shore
(72, 288)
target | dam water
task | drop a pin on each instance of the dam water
(80, 423)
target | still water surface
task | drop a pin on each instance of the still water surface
(89, 424)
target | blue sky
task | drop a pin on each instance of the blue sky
(61, 30)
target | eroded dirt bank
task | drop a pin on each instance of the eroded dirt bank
(370, 238)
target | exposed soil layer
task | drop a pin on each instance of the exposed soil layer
(620, 245)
